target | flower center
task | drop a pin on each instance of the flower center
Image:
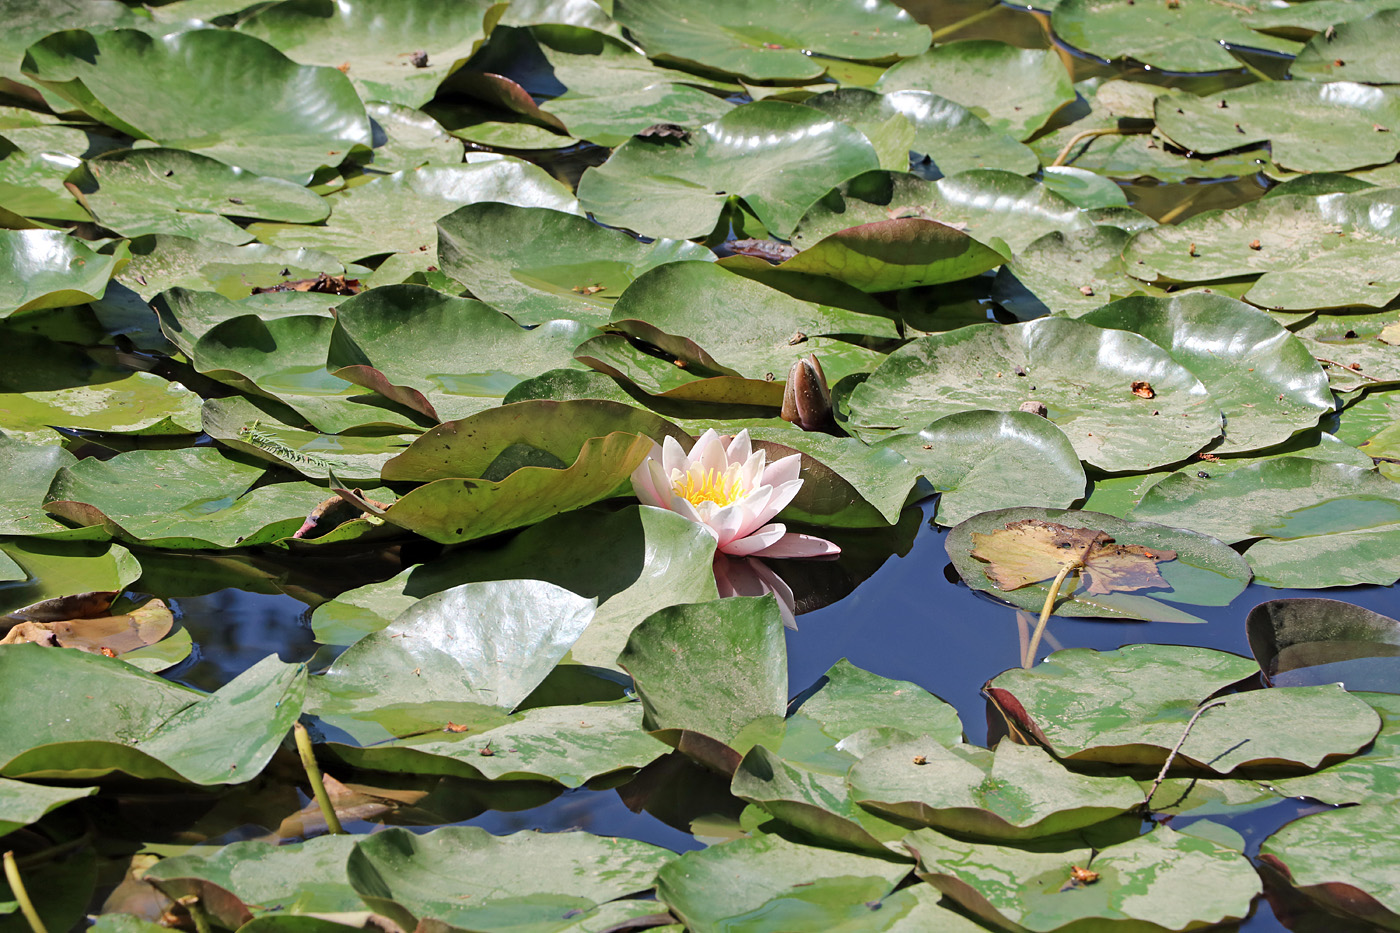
(697, 486)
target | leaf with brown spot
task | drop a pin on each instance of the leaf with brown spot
(106, 635)
(1032, 550)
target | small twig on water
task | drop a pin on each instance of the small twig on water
(26, 906)
(313, 776)
(1077, 138)
(1166, 765)
(1354, 372)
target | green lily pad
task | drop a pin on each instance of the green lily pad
(1164, 880)
(728, 37)
(186, 194)
(451, 511)
(22, 803)
(947, 132)
(397, 213)
(299, 878)
(1369, 777)
(50, 269)
(31, 20)
(30, 468)
(845, 484)
(1137, 715)
(459, 355)
(894, 254)
(485, 643)
(766, 882)
(1194, 35)
(636, 561)
(1245, 359)
(500, 252)
(778, 157)
(279, 119)
(1303, 121)
(189, 498)
(1204, 573)
(692, 300)
(161, 262)
(116, 718)
(464, 876)
(1084, 375)
(1341, 859)
(644, 373)
(1016, 792)
(1288, 497)
(709, 669)
(1304, 243)
(1344, 558)
(237, 352)
(988, 205)
(1355, 50)
(611, 120)
(240, 425)
(31, 183)
(405, 138)
(54, 569)
(1015, 91)
(1305, 641)
(378, 41)
(494, 443)
(1067, 273)
(983, 460)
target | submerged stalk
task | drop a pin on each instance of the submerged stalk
(1050, 598)
(26, 906)
(313, 776)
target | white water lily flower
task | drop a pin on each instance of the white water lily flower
(731, 489)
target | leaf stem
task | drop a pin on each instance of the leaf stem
(1166, 765)
(26, 906)
(313, 776)
(1077, 138)
(1050, 598)
(966, 21)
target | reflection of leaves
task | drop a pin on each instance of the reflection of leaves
(1031, 550)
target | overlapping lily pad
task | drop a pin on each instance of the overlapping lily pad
(539, 265)
(1082, 373)
(1074, 708)
(406, 877)
(119, 719)
(979, 461)
(730, 37)
(279, 118)
(1153, 880)
(778, 157)
(1204, 571)
(50, 269)
(1302, 641)
(1194, 35)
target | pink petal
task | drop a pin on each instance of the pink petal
(673, 458)
(793, 544)
(763, 538)
(708, 452)
(645, 478)
(783, 471)
(755, 509)
(787, 602)
(740, 447)
(780, 498)
(739, 576)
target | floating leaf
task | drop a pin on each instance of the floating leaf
(894, 254)
(279, 119)
(1192, 35)
(1031, 550)
(108, 636)
(1307, 641)
(50, 269)
(22, 803)
(1205, 572)
(1074, 707)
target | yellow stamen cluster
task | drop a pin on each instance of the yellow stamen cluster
(697, 486)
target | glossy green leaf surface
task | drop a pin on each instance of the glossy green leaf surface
(279, 119)
(893, 254)
(22, 803)
(1310, 640)
(778, 157)
(1082, 373)
(1194, 35)
(298, 878)
(49, 269)
(1137, 716)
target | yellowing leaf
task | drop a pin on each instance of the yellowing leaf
(1031, 550)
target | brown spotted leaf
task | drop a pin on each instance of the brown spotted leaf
(1031, 550)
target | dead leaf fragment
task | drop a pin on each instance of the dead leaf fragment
(1144, 389)
(665, 131)
(1087, 291)
(99, 634)
(1255, 244)
(771, 250)
(1035, 408)
(1032, 550)
(1390, 334)
(455, 727)
(322, 284)
(588, 289)
(336, 511)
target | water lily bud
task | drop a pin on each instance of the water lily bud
(807, 398)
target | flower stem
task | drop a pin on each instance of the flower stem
(1050, 598)
(313, 776)
(26, 906)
